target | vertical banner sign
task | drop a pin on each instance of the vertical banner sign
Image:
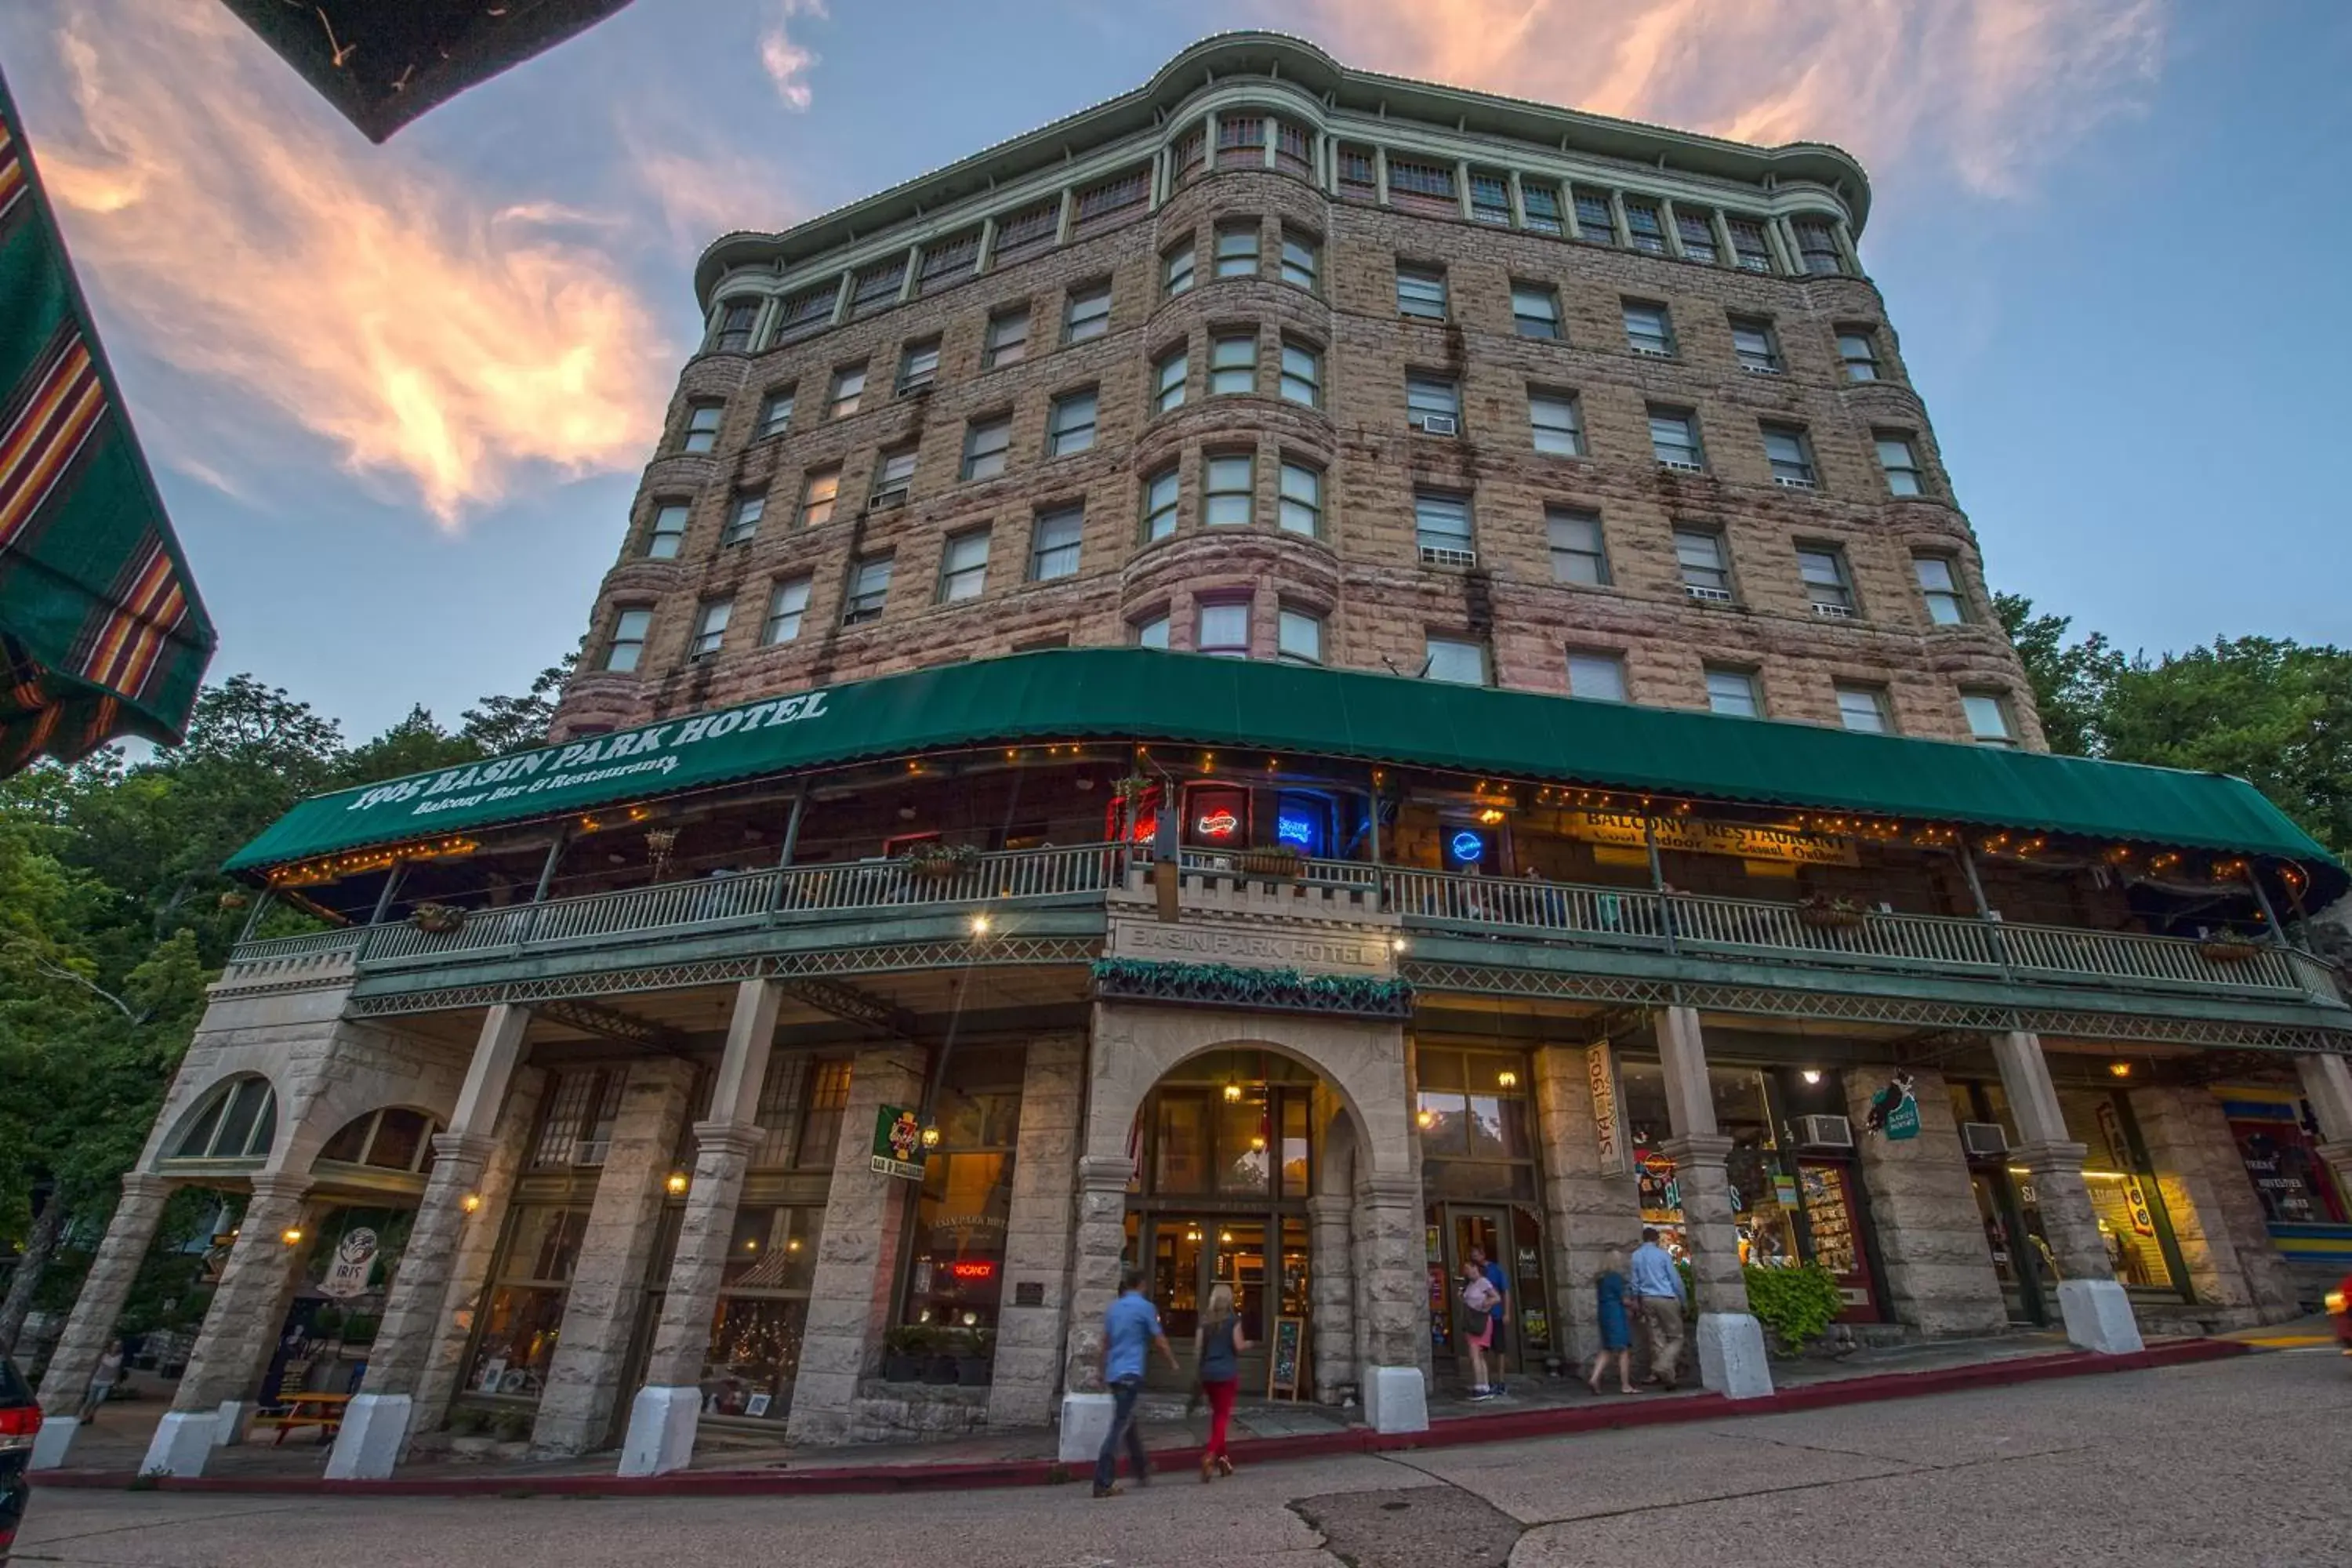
(1600, 1071)
(354, 1260)
(2111, 1130)
(897, 1143)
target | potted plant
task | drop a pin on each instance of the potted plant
(1279, 860)
(938, 1356)
(359, 1329)
(437, 919)
(2227, 947)
(1132, 789)
(1831, 911)
(905, 1348)
(937, 860)
(326, 1323)
(975, 1357)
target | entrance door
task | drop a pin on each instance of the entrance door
(1833, 1219)
(2014, 1253)
(1192, 1255)
(1460, 1227)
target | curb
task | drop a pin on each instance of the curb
(1450, 1432)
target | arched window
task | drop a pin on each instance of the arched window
(239, 1121)
(393, 1139)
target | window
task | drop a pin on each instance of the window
(1674, 438)
(1579, 554)
(963, 566)
(1456, 659)
(1790, 454)
(1241, 141)
(1231, 494)
(1107, 199)
(1421, 292)
(918, 365)
(1541, 201)
(949, 259)
(1169, 377)
(1643, 227)
(1900, 458)
(1864, 708)
(628, 645)
(1176, 270)
(1426, 187)
(1008, 339)
(1223, 629)
(1022, 233)
(1593, 219)
(668, 531)
(848, 390)
(877, 288)
(1751, 341)
(1160, 492)
(1302, 500)
(776, 414)
(1299, 638)
(1648, 328)
(1232, 364)
(1748, 245)
(894, 475)
(1432, 404)
(1557, 423)
(1817, 245)
(1441, 528)
(743, 518)
(1302, 374)
(1858, 351)
(1302, 259)
(1597, 677)
(1707, 575)
(819, 488)
(1939, 585)
(807, 312)
(1237, 249)
(1053, 543)
(1293, 150)
(1070, 429)
(1733, 692)
(702, 425)
(1535, 310)
(1822, 571)
(1192, 152)
(787, 603)
(869, 591)
(984, 445)
(1697, 234)
(1987, 715)
(710, 618)
(735, 318)
(822, 1105)
(1490, 198)
(1088, 315)
(1360, 175)
(1151, 632)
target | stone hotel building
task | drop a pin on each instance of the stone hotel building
(1291, 675)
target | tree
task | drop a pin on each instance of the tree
(414, 745)
(2070, 682)
(502, 724)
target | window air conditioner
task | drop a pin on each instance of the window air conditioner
(1787, 482)
(1707, 595)
(1760, 368)
(1825, 1131)
(1678, 466)
(1438, 555)
(1437, 424)
(886, 500)
(1984, 1140)
(918, 387)
(1833, 612)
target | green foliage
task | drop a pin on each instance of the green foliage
(469, 1421)
(1796, 1304)
(1283, 988)
(2070, 680)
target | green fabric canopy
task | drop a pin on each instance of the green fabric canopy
(1136, 694)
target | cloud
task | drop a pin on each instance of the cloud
(432, 335)
(1991, 88)
(788, 64)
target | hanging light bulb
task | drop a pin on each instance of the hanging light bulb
(1232, 1091)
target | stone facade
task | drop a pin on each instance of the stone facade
(1930, 1235)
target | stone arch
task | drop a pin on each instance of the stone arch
(209, 1107)
(368, 1140)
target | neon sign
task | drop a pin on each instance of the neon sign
(1221, 823)
(1468, 845)
(1299, 830)
(971, 1269)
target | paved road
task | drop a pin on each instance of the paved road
(2239, 1463)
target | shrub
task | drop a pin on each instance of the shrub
(1796, 1304)
(513, 1426)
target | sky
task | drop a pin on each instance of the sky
(397, 398)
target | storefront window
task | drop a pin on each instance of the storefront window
(755, 1336)
(957, 1276)
(1244, 1145)
(2289, 1178)
(1765, 1192)
(1472, 1115)
(2122, 1186)
(524, 1314)
(820, 1109)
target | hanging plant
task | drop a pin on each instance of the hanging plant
(1278, 861)
(1832, 912)
(1132, 788)
(437, 919)
(232, 900)
(2228, 948)
(937, 860)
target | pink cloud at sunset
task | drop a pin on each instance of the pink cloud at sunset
(428, 333)
(1989, 89)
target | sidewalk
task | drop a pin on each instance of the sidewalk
(109, 1455)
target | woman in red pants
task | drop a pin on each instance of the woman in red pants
(1219, 1346)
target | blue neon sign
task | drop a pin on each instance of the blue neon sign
(1299, 830)
(1468, 847)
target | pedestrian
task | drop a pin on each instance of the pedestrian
(1477, 1324)
(1495, 1338)
(1658, 1296)
(1616, 1327)
(102, 1382)
(1130, 1331)
(1217, 1349)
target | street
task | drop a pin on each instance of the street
(2240, 1462)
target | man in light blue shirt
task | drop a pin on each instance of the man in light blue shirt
(1657, 1287)
(1130, 1331)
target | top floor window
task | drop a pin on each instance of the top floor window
(1421, 292)
(1697, 235)
(1241, 141)
(1293, 150)
(808, 311)
(1490, 198)
(1026, 232)
(1748, 245)
(735, 318)
(1645, 227)
(947, 260)
(702, 427)
(877, 288)
(1106, 200)
(1426, 187)
(1541, 201)
(1817, 245)
(1594, 221)
(1360, 175)
(1190, 152)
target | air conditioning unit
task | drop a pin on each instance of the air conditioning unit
(1437, 424)
(1654, 353)
(1825, 1131)
(886, 501)
(1787, 482)
(1834, 612)
(1984, 1140)
(918, 388)
(1707, 595)
(1678, 466)
(1438, 555)
(1760, 369)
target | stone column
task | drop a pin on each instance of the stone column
(608, 1287)
(1097, 1254)
(1332, 1284)
(1590, 1205)
(856, 1260)
(1931, 1235)
(667, 1411)
(104, 1290)
(1730, 1342)
(2217, 1221)
(2097, 1313)
(452, 1336)
(1023, 1389)
(2327, 1084)
(1391, 1260)
(375, 1432)
(240, 1330)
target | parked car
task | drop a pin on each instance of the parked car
(20, 1418)
(2339, 1307)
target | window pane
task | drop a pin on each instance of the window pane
(786, 606)
(1421, 293)
(1159, 496)
(1300, 261)
(1230, 487)
(963, 567)
(1463, 663)
(1301, 636)
(1535, 311)
(1988, 716)
(1862, 707)
(1090, 314)
(1072, 428)
(1224, 629)
(1237, 252)
(1646, 328)
(1302, 499)
(1578, 554)
(849, 388)
(1442, 522)
(1731, 691)
(1152, 632)
(1556, 426)
(1176, 270)
(1170, 384)
(1233, 366)
(1008, 339)
(1056, 547)
(1596, 677)
(1302, 376)
(984, 447)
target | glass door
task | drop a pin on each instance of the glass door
(1457, 1229)
(1833, 1218)
(2011, 1244)
(1192, 1255)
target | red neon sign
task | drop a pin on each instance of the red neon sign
(973, 1268)
(1218, 824)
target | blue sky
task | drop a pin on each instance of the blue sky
(397, 398)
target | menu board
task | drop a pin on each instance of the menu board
(1282, 1375)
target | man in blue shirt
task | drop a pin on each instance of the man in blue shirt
(1500, 1316)
(1130, 1331)
(1657, 1287)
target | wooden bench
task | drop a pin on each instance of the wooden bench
(324, 1411)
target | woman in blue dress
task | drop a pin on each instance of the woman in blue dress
(1616, 1326)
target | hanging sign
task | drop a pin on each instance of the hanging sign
(354, 1260)
(1895, 1111)
(897, 1143)
(1698, 835)
(1600, 1071)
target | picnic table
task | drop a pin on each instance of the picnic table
(324, 1411)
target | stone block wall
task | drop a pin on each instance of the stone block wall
(1037, 1233)
(1930, 1234)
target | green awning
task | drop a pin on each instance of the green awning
(1248, 707)
(101, 630)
